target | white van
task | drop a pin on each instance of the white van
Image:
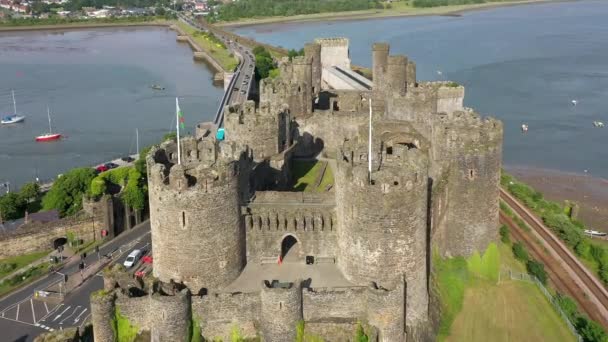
(132, 258)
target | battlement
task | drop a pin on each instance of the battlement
(242, 112)
(397, 60)
(466, 130)
(381, 46)
(194, 172)
(301, 60)
(328, 42)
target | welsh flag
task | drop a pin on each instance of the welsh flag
(180, 115)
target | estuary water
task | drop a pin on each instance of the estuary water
(97, 85)
(522, 64)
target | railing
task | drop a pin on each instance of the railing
(513, 275)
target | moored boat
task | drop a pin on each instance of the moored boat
(50, 136)
(12, 118)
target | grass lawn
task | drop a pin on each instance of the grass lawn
(510, 311)
(24, 279)
(217, 51)
(305, 175)
(19, 261)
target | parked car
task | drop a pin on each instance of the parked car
(127, 159)
(132, 258)
(110, 165)
(101, 168)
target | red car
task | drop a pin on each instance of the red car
(101, 168)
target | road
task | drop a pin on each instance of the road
(239, 88)
(23, 317)
(566, 272)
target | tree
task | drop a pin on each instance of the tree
(590, 331)
(12, 206)
(263, 62)
(66, 193)
(29, 192)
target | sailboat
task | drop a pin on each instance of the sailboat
(50, 136)
(14, 118)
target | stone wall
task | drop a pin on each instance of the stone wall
(348, 303)
(36, 237)
(219, 313)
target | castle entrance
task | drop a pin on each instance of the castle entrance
(290, 249)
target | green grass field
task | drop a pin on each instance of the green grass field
(305, 173)
(508, 311)
(218, 52)
(19, 261)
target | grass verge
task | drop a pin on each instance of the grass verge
(25, 278)
(211, 45)
(12, 264)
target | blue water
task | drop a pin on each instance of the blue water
(97, 85)
(522, 64)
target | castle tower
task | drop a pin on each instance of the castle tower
(380, 53)
(385, 310)
(281, 310)
(472, 148)
(197, 237)
(102, 315)
(170, 317)
(383, 220)
(313, 51)
(302, 76)
(396, 75)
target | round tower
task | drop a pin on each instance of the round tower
(474, 147)
(170, 317)
(396, 75)
(383, 220)
(102, 315)
(313, 51)
(380, 53)
(281, 310)
(197, 236)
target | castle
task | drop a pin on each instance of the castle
(234, 247)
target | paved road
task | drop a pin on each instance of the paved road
(240, 86)
(23, 317)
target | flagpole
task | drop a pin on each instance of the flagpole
(179, 151)
(369, 151)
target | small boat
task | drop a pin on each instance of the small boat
(50, 136)
(598, 124)
(524, 128)
(157, 87)
(12, 118)
(595, 233)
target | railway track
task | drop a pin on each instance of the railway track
(568, 272)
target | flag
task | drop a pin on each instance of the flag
(180, 115)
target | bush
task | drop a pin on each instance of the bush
(583, 248)
(7, 267)
(505, 235)
(537, 269)
(12, 206)
(520, 252)
(590, 331)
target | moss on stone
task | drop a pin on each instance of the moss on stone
(123, 329)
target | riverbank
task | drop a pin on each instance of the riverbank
(589, 192)
(81, 25)
(399, 9)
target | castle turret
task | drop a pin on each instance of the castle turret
(195, 219)
(471, 149)
(313, 51)
(170, 317)
(103, 313)
(396, 75)
(281, 310)
(382, 217)
(380, 53)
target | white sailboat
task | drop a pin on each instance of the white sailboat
(12, 118)
(50, 136)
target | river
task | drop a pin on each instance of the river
(522, 64)
(97, 85)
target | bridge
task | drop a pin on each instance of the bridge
(239, 86)
(337, 77)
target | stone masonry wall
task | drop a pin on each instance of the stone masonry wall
(36, 237)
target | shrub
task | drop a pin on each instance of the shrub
(583, 248)
(568, 306)
(590, 331)
(520, 252)
(7, 267)
(505, 235)
(66, 193)
(537, 269)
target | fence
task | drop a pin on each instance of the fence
(531, 279)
